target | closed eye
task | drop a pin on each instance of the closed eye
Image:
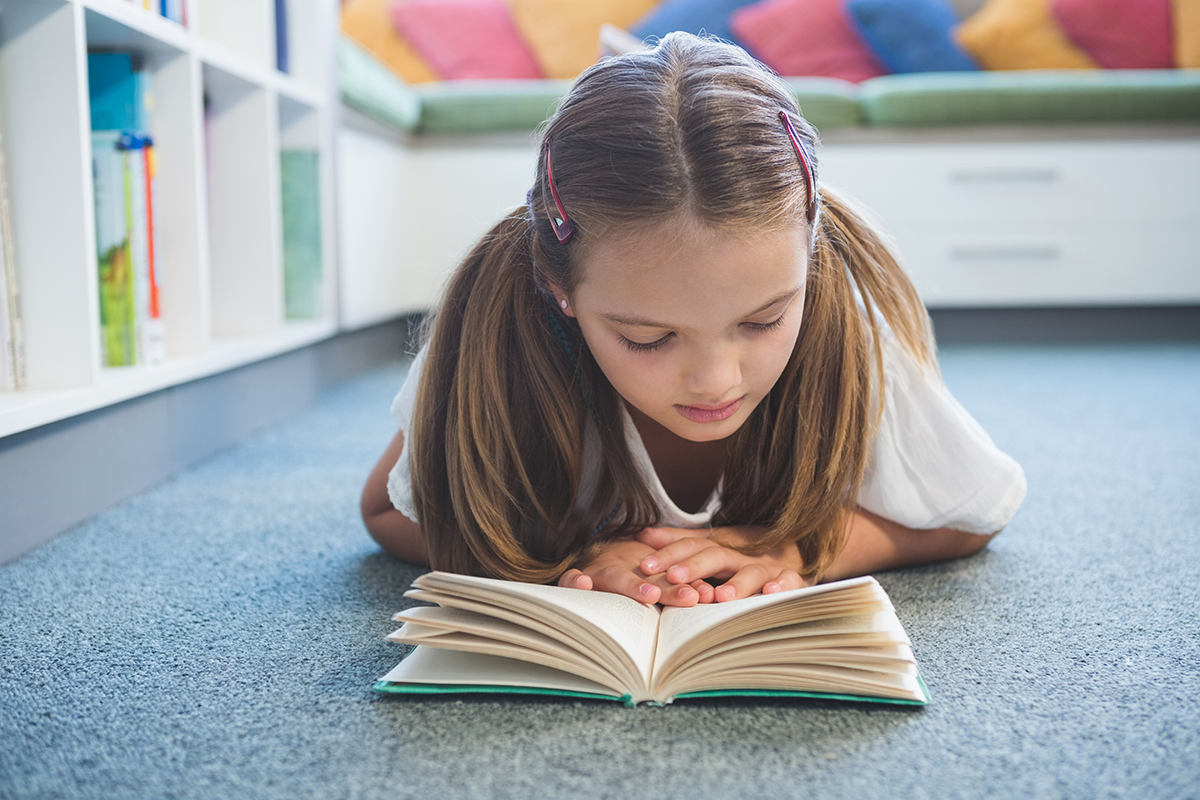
(766, 326)
(646, 347)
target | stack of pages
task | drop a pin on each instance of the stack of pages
(838, 640)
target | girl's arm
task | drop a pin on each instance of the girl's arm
(396, 533)
(872, 544)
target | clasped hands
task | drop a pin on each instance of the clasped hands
(683, 567)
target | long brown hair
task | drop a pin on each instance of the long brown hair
(510, 392)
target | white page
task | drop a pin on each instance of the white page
(632, 625)
(430, 665)
(679, 625)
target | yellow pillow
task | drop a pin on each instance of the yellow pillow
(1020, 34)
(1185, 17)
(564, 35)
(369, 22)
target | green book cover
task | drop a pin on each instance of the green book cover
(114, 212)
(301, 205)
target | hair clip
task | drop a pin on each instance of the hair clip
(810, 190)
(561, 224)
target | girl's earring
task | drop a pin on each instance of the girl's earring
(563, 303)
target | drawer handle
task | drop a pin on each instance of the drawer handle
(1004, 176)
(1013, 253)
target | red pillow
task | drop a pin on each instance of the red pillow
(464, 39)
(1119, 34)
(805, 37)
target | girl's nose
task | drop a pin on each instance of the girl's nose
(714, 373)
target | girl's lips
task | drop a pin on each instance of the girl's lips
(710, 413)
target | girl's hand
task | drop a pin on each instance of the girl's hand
(682, 556)
(616, 570)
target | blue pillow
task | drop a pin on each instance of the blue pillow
(693, 16)
(911, 35)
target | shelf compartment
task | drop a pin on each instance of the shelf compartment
(245, 265)
(245, 27)
(176, 131)
(121, 25)
(48, 153)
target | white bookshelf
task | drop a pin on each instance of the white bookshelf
(219, 246)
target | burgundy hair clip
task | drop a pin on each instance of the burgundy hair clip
(561, 224)
(809, 189)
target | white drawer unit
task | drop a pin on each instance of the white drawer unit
(1060, 222)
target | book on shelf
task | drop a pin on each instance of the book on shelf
(281, 36)
(174, 10)
(124, 168)
(838, 640)
(300, 184)
(12, 342)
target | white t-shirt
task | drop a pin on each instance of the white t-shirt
(931, 464)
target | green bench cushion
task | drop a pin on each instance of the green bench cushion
(492, 106)
(370, 87)
(955, 98)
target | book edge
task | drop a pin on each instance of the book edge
(389, 687)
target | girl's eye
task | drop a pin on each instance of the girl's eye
(645, 347)
(766, 326)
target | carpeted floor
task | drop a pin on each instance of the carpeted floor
(218, 636)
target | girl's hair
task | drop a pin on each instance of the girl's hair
(510, 392)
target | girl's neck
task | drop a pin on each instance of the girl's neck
(689, 471)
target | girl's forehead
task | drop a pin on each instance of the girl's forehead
(678, 248)
(690, 269)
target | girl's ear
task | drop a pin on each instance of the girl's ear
(560, 297)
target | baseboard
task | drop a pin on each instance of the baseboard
(1065, 325)
(56, 476)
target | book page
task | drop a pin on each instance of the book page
(630, 625)
(680, 625)
(428, 665)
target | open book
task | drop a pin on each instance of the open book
(836, 640)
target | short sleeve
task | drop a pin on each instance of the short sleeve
(399, 483)
(931, 465)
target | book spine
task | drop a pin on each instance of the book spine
(12, 340)
(155, 342)
(281, 35)
(301, 206)
(113, 249)
(139, 238)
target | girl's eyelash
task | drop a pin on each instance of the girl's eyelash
(645, 347)
(649, 347)
(767, 326)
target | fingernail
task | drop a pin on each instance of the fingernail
(649, 564)
(645, 589)
(725, 592)
(677, 574)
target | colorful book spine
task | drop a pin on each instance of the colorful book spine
(114, 201)
(125, 173)
(301, 206)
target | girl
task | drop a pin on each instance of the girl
(685, 371)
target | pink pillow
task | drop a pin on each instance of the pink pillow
(805, 37)
(464, 39)
(1120, 34)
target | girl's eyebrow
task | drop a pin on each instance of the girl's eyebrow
(644, 322)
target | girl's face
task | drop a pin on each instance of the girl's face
(693, 326)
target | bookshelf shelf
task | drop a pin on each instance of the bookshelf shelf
(223, 115)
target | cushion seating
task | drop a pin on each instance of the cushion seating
(1054, 96)
(923, 99)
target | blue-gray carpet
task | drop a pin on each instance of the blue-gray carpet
(218, 636)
